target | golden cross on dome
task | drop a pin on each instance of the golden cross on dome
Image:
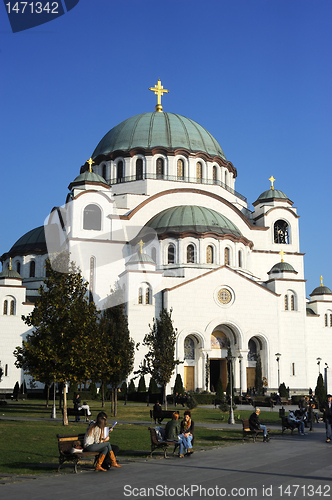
(282, 253)
(10, 263)
(321, 281)
(141, 244)
(159, 91)
(272, 179)
(90, 161)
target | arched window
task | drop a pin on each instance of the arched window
(189, 348)
(292, 302)
(148, 295)
(226, 257)
(180, 169)
(252, 354)
(226, 177)
(32, 272)
(92, 218)
(198, 171)
(240, 258)
(5, 307)
(326, 320)
(119, 172)
(171, 254)
(286, 302)
(214, 174)
(154, 254)
(330, 319)
(160, 168)
(281, 232)
(139, 169)
(104, 171)
(190, 254)
(209, 254)
(140, 296)
(18, 267)
(12, 307)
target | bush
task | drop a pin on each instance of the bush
(283, 391)
(153, 387)
(205, 399)
(131, 387)
(141, 384)
(191, 402)
(178, 387)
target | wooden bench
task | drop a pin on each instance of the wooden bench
(155, 444)
(247, 432)
(71, 412)
(65, 444)
(285, 425)
(160, 415)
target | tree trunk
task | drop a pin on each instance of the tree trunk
(116, 401)
(47, 394)
(165, 397)
(65, 416)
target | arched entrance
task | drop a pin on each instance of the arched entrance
(256, 351)
(221, 337)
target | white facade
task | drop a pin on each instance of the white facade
(222, 286)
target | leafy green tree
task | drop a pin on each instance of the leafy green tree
(124, 388)
(220, 390)
(178, 386)
(259, 375)
(61, 346)
(16, 390)
(116, 347)
(320, 391)
(207, 373)
(159, 360)
(141, 384)
(283, 391)
(131, 387)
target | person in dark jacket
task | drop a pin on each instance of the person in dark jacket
(172, 429)
(77, 405)
(254, 424)
(327, 415)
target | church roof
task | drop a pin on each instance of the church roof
(10, 273)
(141, 257)
(321, 290)
(31, 242)
(88, 177)
(149, 130)
(282, 267)
(193, 219)
(272, 194)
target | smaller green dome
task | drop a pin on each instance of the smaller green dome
(10, 273)
(282, 267)
(321, 290)
(272, 194)
(139, 257)
(89, 177)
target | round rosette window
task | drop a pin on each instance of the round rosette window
(224, 296)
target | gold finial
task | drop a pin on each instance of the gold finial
(272, 179)
(321, 281)
(282, 253)
(90, 161)
(141, 244)
(10, 263)
(159, 91)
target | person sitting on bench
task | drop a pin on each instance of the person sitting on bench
(187, 434)
(172, 429)
(95, 440)
(255, 425)
(296, 422)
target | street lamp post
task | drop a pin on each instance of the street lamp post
(230, 359)
(240, 361)
(277, 355)
(318, 363)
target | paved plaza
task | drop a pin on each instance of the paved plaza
(286, 467)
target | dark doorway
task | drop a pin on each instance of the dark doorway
(218, 368)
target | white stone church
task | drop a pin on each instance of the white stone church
(156, 210)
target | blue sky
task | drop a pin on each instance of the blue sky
(256, 74)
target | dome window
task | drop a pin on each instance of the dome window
(214, 174)
(32, 273)
(190, 254)
(104, 171)
(171, 254)
(240, 259)
(92, 218)
(160, 168)
(281, 232)
(227, 256)
(209, 254)
(119, 172)
(180, 169)
(198, 171)
(139, 169)
(18, 267)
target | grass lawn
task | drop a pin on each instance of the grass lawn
(30, 447)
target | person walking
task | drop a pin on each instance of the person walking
(327, 415)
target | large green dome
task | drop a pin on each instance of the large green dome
(30, 243)
(191, 218)
(150, 130)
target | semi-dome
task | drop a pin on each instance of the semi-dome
(142, 258)
(88, 177)
(191, 218)
(282, 267)
(10, 273)
(150, 130)
(321, 290)
(31, 242)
